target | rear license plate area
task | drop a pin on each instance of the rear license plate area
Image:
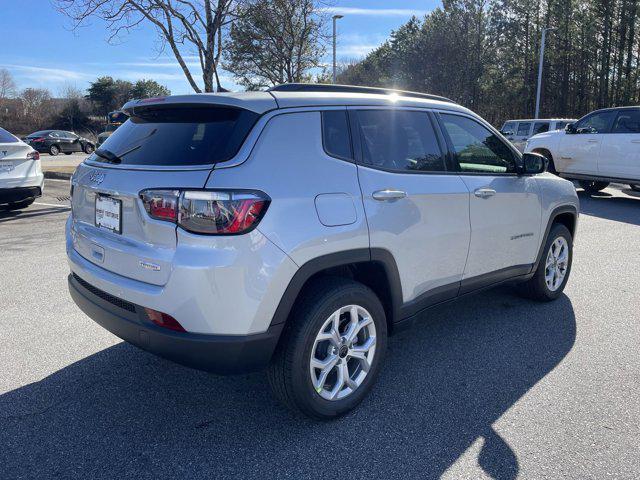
(108, 213)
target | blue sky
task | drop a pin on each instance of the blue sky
(40, 49)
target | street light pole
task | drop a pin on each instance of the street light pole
(540, 66)
(334, 18)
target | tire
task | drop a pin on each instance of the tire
(68, 153)
(290, 372)
(593, 186)
(635, 187)
(88, 149)
(551, 167)
(537, 287)
(54, 150)
(19, 205)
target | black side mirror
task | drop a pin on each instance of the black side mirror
(532, 163)
(570, 128)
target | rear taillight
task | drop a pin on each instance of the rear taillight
(209, 212)
(164, 320)
(161, 204)
(33, 156)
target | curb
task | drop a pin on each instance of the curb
(58, 175)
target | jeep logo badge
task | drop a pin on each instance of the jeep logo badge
(96, 177)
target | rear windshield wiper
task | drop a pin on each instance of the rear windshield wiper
(112, 157)
(108, 156)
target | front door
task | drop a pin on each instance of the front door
(620, 156)
(579, 151)
(505, 211)
(417, 209)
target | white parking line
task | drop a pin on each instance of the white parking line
(56, 180)
(52, 205)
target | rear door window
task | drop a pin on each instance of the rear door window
(399, 140)
(178, 136)
(523, 129)
(540, 127)
(627, 121)
(6, 137)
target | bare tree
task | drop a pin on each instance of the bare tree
(186, 26)
(276, 41)
(36, 106)
(7, 84)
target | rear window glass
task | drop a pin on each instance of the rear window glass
(178, 136)
(6, 137)
(335, 134)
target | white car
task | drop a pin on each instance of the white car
(21, 178)
(519, 131)
(600, 148)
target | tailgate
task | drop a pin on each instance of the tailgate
(143, 249)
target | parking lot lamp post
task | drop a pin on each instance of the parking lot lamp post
(335, 18)
(544, 38)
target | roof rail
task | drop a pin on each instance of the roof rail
(323, 87)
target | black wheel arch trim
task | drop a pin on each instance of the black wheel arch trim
(339, 259)
(552, 219)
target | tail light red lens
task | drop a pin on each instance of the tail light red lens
(33, 156)
(210, 212)
(163, 320)
(221, 212)
(38, 140)
(161, 204)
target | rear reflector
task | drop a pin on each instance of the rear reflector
(33, 155)
(164, 320)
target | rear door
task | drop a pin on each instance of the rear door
(167, 148)
(417, 209)
(505, 211)
(620, 157)
(522, 134)
(579, 152)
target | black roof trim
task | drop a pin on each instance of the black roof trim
(322, 87)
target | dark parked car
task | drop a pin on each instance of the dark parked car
(59, 141)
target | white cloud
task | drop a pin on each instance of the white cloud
(381, 12)
(355, 50)
(44, 73)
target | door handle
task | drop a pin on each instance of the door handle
(635, 141)
(388, 194)
(592, 140)
(484, 192)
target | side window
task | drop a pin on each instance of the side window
(540, 127)
(560, 125)
(509, 127)
(335, 134)
(598, 122)
(399, 140)
(477, 149)
(627, 121)
(523, 129)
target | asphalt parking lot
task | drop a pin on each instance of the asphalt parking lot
(493, 386)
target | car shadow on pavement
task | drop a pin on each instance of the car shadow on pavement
(618, 209)
(125, 413)
(7, 216)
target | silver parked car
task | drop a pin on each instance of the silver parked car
(295, 229)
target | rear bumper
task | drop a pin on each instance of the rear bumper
(18, 194)
(222, 354)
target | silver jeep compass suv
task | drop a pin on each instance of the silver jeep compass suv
(295, 229)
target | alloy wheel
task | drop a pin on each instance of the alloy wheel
(556, 264)
(343, 352)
